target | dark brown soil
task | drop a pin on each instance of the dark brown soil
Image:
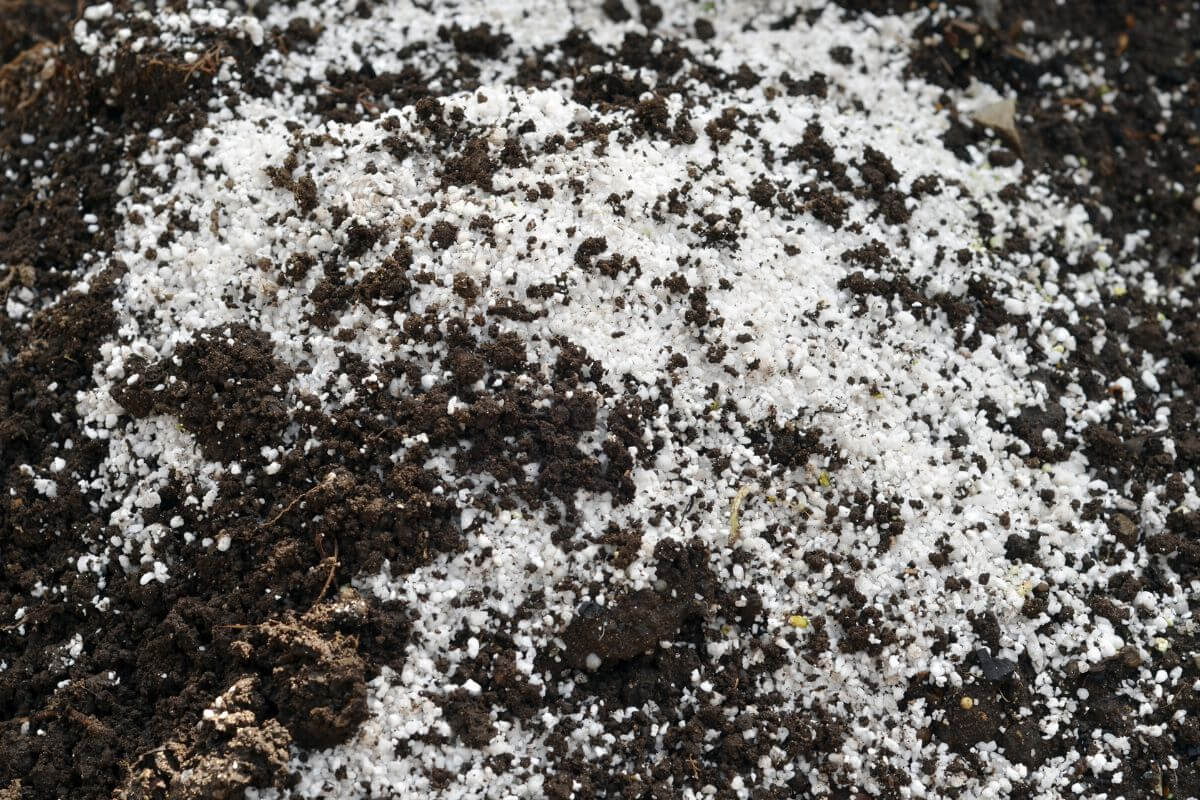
(26, 23)
(167, 655)
(266, 631)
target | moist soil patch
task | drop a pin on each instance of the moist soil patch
(467, 435)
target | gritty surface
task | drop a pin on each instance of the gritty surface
(600, 399)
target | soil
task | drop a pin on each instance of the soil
(259, 647)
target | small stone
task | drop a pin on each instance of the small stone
(1001, 117)
(1124, 529)
(994, 669)
(1130, 657)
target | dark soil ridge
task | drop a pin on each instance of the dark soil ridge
(200, 688)
(90, 733)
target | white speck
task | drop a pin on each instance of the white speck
(98, 12)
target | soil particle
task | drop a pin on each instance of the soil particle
(443, 235)
(616, 11)
(469, 717)
(625, 627)
(480, 40)
(635, 622)
(1031, 424)
(226, 387)
(389, 284)
(842, 55)
(314, 677)
(589, 249)
(236, 747)
(971, 717)
(474, 165)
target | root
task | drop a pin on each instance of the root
(24, 79)
(206, 64)
(328, 580)
(328, 480)
(735, 513)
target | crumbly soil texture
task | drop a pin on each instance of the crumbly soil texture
(632, 399)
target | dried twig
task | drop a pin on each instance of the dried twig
(328, 479)
(735, 513)
(329, 579)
